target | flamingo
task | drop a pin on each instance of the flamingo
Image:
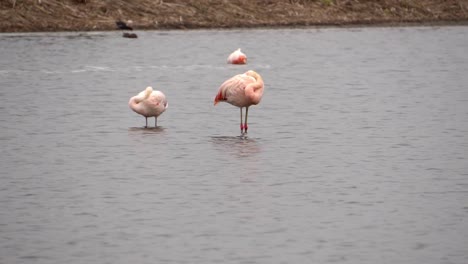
(149, 103)
(237, 57)
(242, 90)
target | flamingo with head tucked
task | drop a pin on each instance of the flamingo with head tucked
(149, 103)
(242, 90)
(237, 57)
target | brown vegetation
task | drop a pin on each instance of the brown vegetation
(77, 15)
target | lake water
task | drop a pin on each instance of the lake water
(358, 152)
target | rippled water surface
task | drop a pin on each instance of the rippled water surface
(358, 152)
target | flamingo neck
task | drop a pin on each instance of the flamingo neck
(135, 101)
(254, 91)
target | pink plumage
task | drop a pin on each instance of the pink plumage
(237, 57)
(242, 90)
(149, 103)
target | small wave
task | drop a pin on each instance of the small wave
(98, 68)
(136, 68)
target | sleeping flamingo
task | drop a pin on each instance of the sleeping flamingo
(242, 90)
(149, 103)
(237, 57)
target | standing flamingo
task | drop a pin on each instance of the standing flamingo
(149, 103)
(242, 90)
(237, 57)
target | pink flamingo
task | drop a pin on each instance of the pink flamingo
(242, 90)
(237, 57)
(149, 103)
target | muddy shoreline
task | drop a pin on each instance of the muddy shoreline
(100, 15)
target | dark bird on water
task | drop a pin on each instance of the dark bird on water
(122, 25)
(129, 35)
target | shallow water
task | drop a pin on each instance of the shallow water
(356, 154)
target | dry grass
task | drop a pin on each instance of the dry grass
(71, 15)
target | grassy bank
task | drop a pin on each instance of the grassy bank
(84, 15)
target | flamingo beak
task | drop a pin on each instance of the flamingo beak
(218, 98)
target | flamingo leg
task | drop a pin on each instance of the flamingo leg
(155, 121)
(146, 118)
(241, 125)
(245, 124)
